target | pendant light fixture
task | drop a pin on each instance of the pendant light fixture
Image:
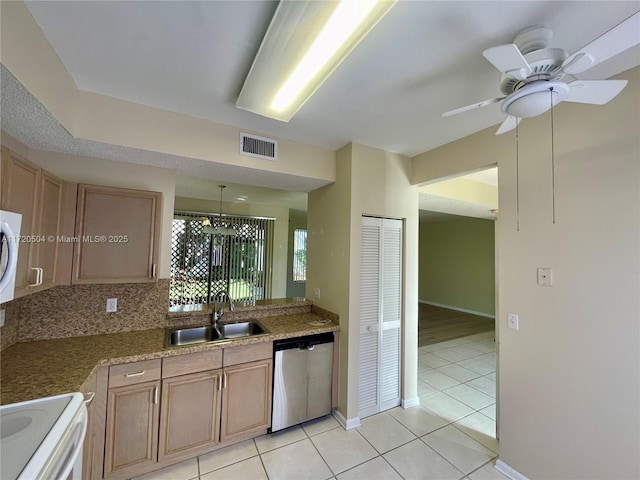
(220, 228)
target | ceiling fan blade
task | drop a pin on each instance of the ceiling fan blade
(473, 106)
(597, 92)
(509, 124)
(509, 60)
(621, 37)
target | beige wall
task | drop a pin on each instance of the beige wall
(570, 376)
(30, 58)
(576, 415)
(372, 182)
(328, 244)
(465, 190)
(457, 263)
(280, 231)
(454, 158)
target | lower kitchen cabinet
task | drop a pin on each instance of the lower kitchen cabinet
(190, 413)
(161, 412)
(132, 427)
(246, 400)
(133, 415)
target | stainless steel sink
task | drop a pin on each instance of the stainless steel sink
(240, 329)
(213, 333)
(189, 336)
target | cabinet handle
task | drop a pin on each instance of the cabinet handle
(88, 398)
(39, 275)
(224, 380)
(219, 380)
(155, 395)
(153, 271)
(137, 374)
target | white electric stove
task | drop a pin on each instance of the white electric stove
(42, 439)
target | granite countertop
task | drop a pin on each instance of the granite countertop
(50, 367)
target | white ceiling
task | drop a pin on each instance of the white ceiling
(422, 59)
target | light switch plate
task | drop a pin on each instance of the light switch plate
(512, 321)
(316, 292)
(2, 313)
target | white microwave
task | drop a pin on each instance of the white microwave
(9, 243)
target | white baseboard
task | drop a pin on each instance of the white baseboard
(347, 424)
(450, 307)
(512, 473)
(410, 402)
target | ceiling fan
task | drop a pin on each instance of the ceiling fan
(532, 74)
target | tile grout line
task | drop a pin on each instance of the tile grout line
(453, 425)
(334, 474)
(481, 466)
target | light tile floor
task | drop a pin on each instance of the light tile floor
(450, 435)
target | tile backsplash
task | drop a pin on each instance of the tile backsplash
(79, 310)
(9, 332)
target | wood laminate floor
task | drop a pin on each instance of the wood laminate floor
(437, 324)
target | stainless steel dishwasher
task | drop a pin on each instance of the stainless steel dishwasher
(302, 376)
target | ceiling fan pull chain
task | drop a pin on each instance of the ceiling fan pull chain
(553, 164)
(517, 181)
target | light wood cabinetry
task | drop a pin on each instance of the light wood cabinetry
(190, 405)
(131, 440)
(160, 412)
(118, 232)
(190, 418)
(87, 450)
(246, 400)
(93, 449)
(38, 196)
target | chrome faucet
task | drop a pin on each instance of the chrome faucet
(217, 308)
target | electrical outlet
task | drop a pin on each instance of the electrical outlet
(316, 292)
(512, 321)
(545, 277)
(112, 305)
(2, 313)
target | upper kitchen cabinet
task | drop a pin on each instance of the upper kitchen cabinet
(38, 196)
(118, 235)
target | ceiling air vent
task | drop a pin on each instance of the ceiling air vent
(260, 147)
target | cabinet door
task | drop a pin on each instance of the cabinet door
(21, 185)
(118, 233)
(50, 221)
(190, 418)
(246, 400)
(132, 427)
(87, 450)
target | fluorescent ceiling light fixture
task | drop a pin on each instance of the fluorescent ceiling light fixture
(304, 44)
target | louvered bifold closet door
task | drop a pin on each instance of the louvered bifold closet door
(368, 398)
(380, 315)
(391, 275)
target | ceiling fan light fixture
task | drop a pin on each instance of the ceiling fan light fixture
(304, 44)
(533, 99)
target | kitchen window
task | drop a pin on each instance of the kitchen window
(299, 255)
(203, 263)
